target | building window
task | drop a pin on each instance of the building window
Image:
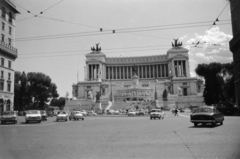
(9, 87)
(1, 85)
(3, 37)
(3, 26)
(9, 64)
(2, 62)
(10, 17)
(9, 76)
(185, 91)
(185, 84)
(2, 74)
(9, 41)
(3, 12)
(10, 30)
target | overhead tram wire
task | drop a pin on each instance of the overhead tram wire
(34, 15)
(214, 23)
(104, 49)
(100, 33)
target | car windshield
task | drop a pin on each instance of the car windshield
(204, 110)
(32, 112)
(8, 113)
(63, 113)
(156, 110)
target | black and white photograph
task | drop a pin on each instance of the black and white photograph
(120, 79)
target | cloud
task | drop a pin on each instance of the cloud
(213, 47)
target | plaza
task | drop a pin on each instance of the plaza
(119, 136)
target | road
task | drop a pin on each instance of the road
(120, 137)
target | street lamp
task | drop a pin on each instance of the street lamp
(111, 90)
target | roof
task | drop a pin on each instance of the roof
(177, 50)
(95, 53)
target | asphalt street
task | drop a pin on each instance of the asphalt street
(120, 136)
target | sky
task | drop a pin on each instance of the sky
(55, 42)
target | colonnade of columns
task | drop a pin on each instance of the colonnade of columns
(143, 71)
(180, 68)
(93, 71)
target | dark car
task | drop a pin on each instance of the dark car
(206, 114)
(44, 115)
(9, 116)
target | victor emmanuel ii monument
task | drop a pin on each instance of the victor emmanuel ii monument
(124, 82)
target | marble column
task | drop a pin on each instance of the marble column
(141, 71)
(92, 72)
(131, 72)
(127, 72)
(157, 70)
(124, 72)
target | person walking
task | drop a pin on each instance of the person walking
(176, 112)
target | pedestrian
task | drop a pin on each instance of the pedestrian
(176, 112)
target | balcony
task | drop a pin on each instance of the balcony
(8, 49)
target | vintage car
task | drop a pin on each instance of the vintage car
(62, 115)
(44, 115)
(131, 113)
(33, 115)
(206, 114)
(141, 112)
(76, 115)
(84, 112)
(157, 113)
(9, 116)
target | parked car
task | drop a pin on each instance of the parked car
(206, 114)
(44, 115)
(157, 113)
(141, 112)
(76, 115)
(84, 112)
(33, 115)
(62, 116)
(116, 112)
(9, 116)
(131, 113)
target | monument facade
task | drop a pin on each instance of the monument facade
(140, 78)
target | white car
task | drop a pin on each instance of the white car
(116, 112)
(62, 116)
(157, 113)
(84, 112)
(33, 115)
(76, 115)
(131, 113)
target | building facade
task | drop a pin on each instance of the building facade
(142, 78)
(8, 54)
(235, 45)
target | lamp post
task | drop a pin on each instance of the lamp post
(111, 89)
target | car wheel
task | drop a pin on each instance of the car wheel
(221, 123)
(66, 120)
(195, 124)
(2, 122)
(57, 119)
(26, 121)
(150, 118)
(82, 118)
(40, 121)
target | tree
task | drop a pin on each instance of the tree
(33, 90)
(213, 82)
(219, 82)
(58, 102)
